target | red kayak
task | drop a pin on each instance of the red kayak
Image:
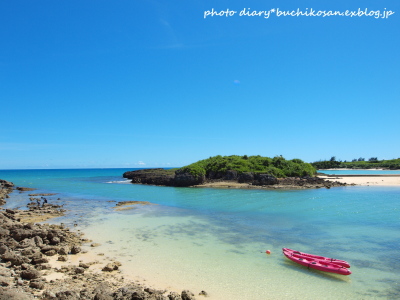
(316, 264)
(320, 259)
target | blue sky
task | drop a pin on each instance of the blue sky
(100, 83)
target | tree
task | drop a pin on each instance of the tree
(333, 158)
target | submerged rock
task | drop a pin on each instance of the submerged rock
(110, 267)
(203, 293)
(187, 295)
(75, 249)
(174, 296)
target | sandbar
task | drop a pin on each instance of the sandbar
(366, 180)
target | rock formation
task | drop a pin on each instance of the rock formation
(5, 188)
(151, 176)
(184, 179)
(25, 252)
(163, 177)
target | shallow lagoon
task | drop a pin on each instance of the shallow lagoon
(215, 240)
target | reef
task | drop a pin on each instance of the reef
(28, 251)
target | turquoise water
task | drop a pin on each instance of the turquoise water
(215, 239)
(361, 172)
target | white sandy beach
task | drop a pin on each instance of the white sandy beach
(347, 169)
(379, 180)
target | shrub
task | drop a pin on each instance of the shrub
(196, 170)
(277, 166)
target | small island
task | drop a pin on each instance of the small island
(236, 172)
(358, 163)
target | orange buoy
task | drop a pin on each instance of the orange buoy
(268, 252)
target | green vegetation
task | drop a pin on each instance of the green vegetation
(358, 163)
(160, 171)
(372, 163)
(277, 166)
(196, 170)
(327, 164)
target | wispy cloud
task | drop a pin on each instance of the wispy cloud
(173, 41)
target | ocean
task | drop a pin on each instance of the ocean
(215, 239)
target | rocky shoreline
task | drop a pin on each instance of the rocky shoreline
(228, 179)
(6, 188)
(33, 253)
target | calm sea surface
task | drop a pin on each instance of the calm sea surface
(215, 239)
